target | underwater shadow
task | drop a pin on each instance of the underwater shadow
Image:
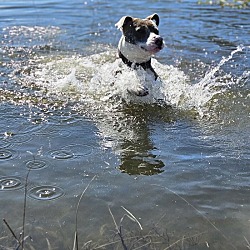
(130, 137)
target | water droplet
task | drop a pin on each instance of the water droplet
(11, 183)
(45, 192)
(5, 154)
(36, 164)
(62, 154)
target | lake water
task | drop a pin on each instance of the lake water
(178, 160)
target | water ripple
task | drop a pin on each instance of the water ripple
(11, 183)
(64, 119)
(5, 154)
(45, 192)
(80, 149)
(62, 154)
(4, 144)
(18, 138)
(36, 164)
(54, 131)
(71, 151)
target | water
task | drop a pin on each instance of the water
(178, 159)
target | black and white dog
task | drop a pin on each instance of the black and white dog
(139, 42)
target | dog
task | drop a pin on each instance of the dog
(139, 42)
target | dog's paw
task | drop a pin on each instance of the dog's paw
(143, 91)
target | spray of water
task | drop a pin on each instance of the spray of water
(100, 79)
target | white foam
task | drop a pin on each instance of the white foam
(102, 77)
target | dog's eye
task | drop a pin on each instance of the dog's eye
(142, 33)
(140, 30)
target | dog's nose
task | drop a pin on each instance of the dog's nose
(159, 41)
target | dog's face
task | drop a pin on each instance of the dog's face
(142, 33)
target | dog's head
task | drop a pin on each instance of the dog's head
(142, 34)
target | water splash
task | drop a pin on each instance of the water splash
(214, 83)
(96, 81)
(198, 96)
(210, 75)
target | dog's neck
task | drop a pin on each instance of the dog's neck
(134, 57)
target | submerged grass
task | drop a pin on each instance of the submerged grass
(122, 237)
(248, 244)
(75, 245)
(20, 241)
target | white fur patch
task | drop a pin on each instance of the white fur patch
(134, 53)
(120, 23)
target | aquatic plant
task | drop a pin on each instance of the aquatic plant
(121, 238)
(230, 3)
(127, 239)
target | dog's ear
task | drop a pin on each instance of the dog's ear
(154, 18)
(123, 21)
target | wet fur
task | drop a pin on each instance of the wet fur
(139, 42)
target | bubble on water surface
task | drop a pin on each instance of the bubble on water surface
(45, 193)
(36, 164)
(11, 183)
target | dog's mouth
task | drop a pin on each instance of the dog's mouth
(154, 47)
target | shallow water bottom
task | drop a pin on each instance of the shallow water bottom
(162, 220)
(178, 202)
